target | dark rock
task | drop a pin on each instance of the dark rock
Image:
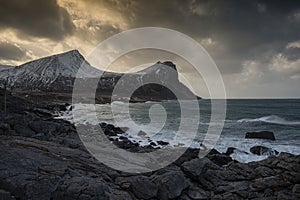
(296, 190)
(244, 171)
(188, 155)
(4, 128)
(261, 135)
(163, 143)
(36, 169)
(170, 184)
(230, 150)
(52, 163)
(23, 130)
(123, 138)
(109, 132)
(195, 168)
(142, 134)
(4, 195)
(270, 182)
(40, 136)
(263, 171)
(220, 159)
(141, 186)
(261, 150)
(43, 126)
(153, 144)
(197, 192)
(214, 152)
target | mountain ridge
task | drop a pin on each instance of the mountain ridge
(57, 73)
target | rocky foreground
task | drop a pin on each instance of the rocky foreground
(43, 158)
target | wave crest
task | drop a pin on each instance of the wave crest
(273, 119)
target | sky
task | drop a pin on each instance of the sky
(255, 43)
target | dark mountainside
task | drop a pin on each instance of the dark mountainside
(56, 75)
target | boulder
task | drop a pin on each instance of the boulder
(170, 184)
(230, 150)
(260, 135)
(162, 143)
(23, 130)
(262, 150)
(4, 128)
(43, 126)
(141, 186)
(6, 195)
(142, 134)
(195, 168)
(220, 159)
(213, 152)
(296, 190)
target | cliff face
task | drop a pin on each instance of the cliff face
(57, 73)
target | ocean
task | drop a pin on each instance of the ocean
(281, 116)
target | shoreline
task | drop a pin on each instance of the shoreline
(43, 158)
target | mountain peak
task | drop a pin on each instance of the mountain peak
(73, 52)
(168, 63)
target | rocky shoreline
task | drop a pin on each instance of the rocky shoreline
(43, 158)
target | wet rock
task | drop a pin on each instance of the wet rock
(43, 126)
(141, 186)
(197, 192)
(170, 184)
(243, 171)
(296, 190)
(4, 128)
(263, 171)
(34, 169)
(23, 130)
(6, 195)
(195, 168)
(262, 150)
(109, 132)
(230, 150)
(270, 182)
(214, 152)
(153, 144)
(261, 135)
(188, 155)
(162, 143)
(50, 162)
(142, 134)
(220, 159)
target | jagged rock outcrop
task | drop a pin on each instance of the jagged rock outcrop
(269, 135)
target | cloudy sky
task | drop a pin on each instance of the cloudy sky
(255, 43)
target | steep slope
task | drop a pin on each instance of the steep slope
(2, 67)
(57, 73)
(41, 74)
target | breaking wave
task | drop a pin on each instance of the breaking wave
(273, 119)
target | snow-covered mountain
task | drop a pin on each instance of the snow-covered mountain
(57, 73)
(42, 73)
(2, 67)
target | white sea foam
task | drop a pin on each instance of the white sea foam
(85, 116)
(273, 119)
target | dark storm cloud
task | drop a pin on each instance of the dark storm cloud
(11, 52)
(242, 29)
(292, 53)
(41, 18)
